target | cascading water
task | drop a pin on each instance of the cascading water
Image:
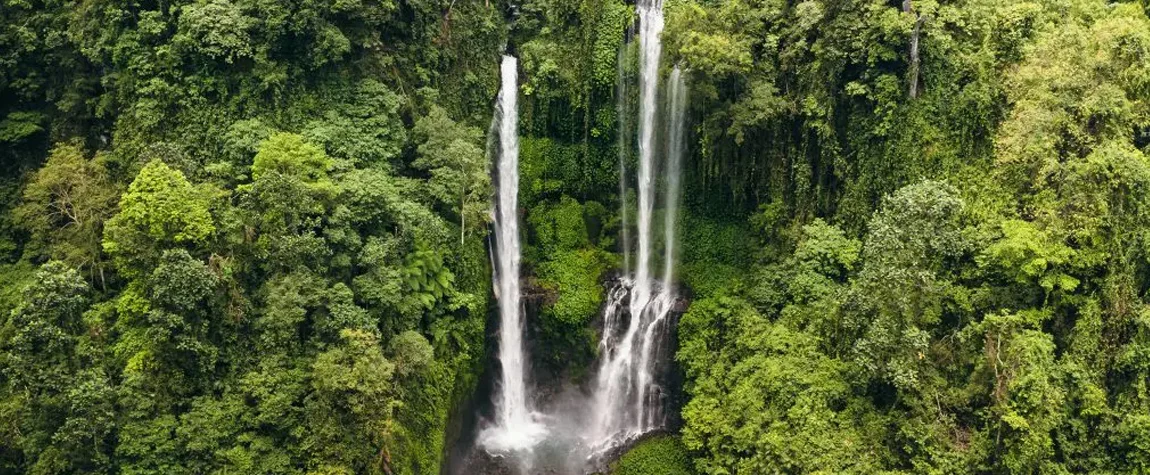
(650, 46)
(615, 397)
(675, 133)
(650, 409)
(627, 401)
(627, 398)
(517, 426)
(624, 135)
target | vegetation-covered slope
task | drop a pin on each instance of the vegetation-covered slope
(989, 315)
(248, 236)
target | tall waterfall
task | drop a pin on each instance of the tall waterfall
(624, 144)
(650, 409)
(650, 45)
(627, 396)
(675, 134)
(516, 425)
(634, 347)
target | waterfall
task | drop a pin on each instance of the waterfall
(650, 411)
(650, 46)
(516, 424)
(627, 399)
(624, 134)
(634, 347)
(513, 401)
(677, 115)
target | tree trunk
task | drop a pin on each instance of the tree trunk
(912, 73)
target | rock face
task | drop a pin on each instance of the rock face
(478, 461)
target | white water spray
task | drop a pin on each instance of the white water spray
(517, 427)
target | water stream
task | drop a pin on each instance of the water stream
(517, 427)
(622, 112)
(627, 400)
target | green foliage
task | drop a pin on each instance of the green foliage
(715, 254)
(65, 205)
(546, 168)
(217, 29)
(270, 197)
(570, 268)
(904, 290)
(288, 155)
(1026, 396)
(661, 455)
(459, 170)
(351, 385)
(559, 227)
(412, 353)
(426, 279)
(59, 412)
(13, 279)
(19, 125)
(826, 250)
(363, 126)
(180, 282)
(810, 280)
(44, 329)
(160, 210)
(574, 276)
(762, 396)
(1030, 255)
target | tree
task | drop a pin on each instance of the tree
(905, 286)
(411, 352)
(365, 127)
(40, 355)
(350, 408)
(64, 208)
(181, 283)
(1018, 361)
(763, 398)
(61, 408)
(451, 153)
(161, 210)
(289, 198)
(218, 29)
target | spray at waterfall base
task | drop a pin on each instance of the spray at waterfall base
(584, 430)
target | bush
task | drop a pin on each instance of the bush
(662, 455)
